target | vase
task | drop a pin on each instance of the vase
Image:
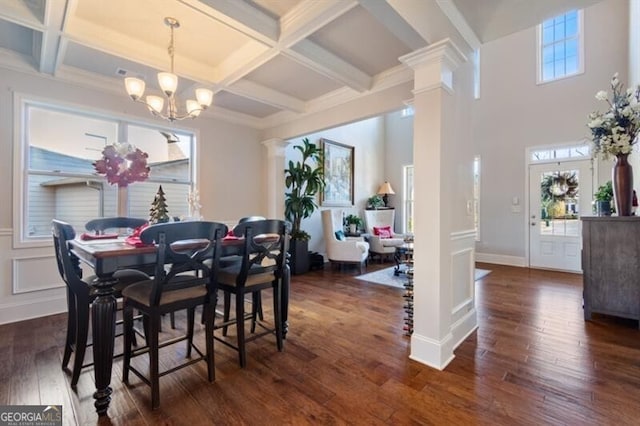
(622, 178)
(123, 201)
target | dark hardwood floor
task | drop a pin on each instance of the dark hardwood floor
(532, 361)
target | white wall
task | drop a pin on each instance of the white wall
(230, 170)
(367, 137)
(514, 113)
(398, 152)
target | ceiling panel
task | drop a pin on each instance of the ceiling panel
(361, 40)
(16, 38)
(291, 78)
(240, 104)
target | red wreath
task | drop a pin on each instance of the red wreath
(122, 170)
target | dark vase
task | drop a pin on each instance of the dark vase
(623, 185)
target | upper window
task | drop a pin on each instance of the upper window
(58, 180)
(560, 52)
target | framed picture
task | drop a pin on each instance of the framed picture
(338, 174)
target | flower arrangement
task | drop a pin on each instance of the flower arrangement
(122, 164)
(615, 131)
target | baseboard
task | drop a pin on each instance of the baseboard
(435, 354)
(501, 259)
(33, 308)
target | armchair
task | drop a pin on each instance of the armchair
(351, 250)
(380, 244)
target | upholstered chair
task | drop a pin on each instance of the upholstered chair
(382, 238)
(341, 249)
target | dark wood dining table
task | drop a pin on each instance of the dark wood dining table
(108, 256)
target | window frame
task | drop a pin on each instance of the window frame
(408, 202)
(580, 49)
(22, 171)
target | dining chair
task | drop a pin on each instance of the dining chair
(265, 244)
(185, 284)
(80, 294)
(103, 224)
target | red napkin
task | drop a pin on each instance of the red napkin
(134, 238)
(86, 236)
(230, 236)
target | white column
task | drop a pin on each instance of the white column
(432, 341)
(275, 177)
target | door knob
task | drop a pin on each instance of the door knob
(533, 224)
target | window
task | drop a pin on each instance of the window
(576, 152)
(476, 196)
(408, 199)
(58, 180)
(561, 45)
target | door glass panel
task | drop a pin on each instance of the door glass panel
(559, 200)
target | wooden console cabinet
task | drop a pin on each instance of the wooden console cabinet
(611, 266)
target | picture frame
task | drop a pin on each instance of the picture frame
(338, 167)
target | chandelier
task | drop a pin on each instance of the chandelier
(168, 82)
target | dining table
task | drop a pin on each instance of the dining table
(107, 256)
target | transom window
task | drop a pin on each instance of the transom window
(58, 180)
(561, 50)
(575, 152)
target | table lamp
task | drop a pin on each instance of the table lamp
(384, 190)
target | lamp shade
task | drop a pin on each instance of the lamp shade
(135, 87)
(168, 82)
(386, 188)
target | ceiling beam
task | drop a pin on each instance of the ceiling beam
(326, 63)
(387, 16)
(49, 53)
(265, 95)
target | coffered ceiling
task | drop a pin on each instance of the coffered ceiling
(267, 61)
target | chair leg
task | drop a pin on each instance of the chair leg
(277, 310)
(127, 316)
(256, 302)
(227, 309)
(240, 328)
(82, 331)
(154, 371)
(191, 313)
(71, 328)
(208, 312)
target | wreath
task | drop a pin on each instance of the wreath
(123, 164)
(559, 186)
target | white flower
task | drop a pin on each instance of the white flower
(602, 95)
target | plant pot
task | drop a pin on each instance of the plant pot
(352, 228)
(299, 261)
(603, 208)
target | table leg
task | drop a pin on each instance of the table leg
(103, 319)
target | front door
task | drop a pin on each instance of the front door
(558, 194)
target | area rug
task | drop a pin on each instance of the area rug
(481, 273)
(386, 277)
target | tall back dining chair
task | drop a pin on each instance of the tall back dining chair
(264, 251)
(102, 224)
(187, 283)
(80, 294)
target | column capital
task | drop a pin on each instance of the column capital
(434, 65)
(275, 146)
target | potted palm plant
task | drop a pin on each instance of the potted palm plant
(303, 180)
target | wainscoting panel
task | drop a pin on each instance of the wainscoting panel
(35, 273)
(30, 285)
(463, 300)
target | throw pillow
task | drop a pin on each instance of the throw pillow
(340, 235)
(382, 231)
